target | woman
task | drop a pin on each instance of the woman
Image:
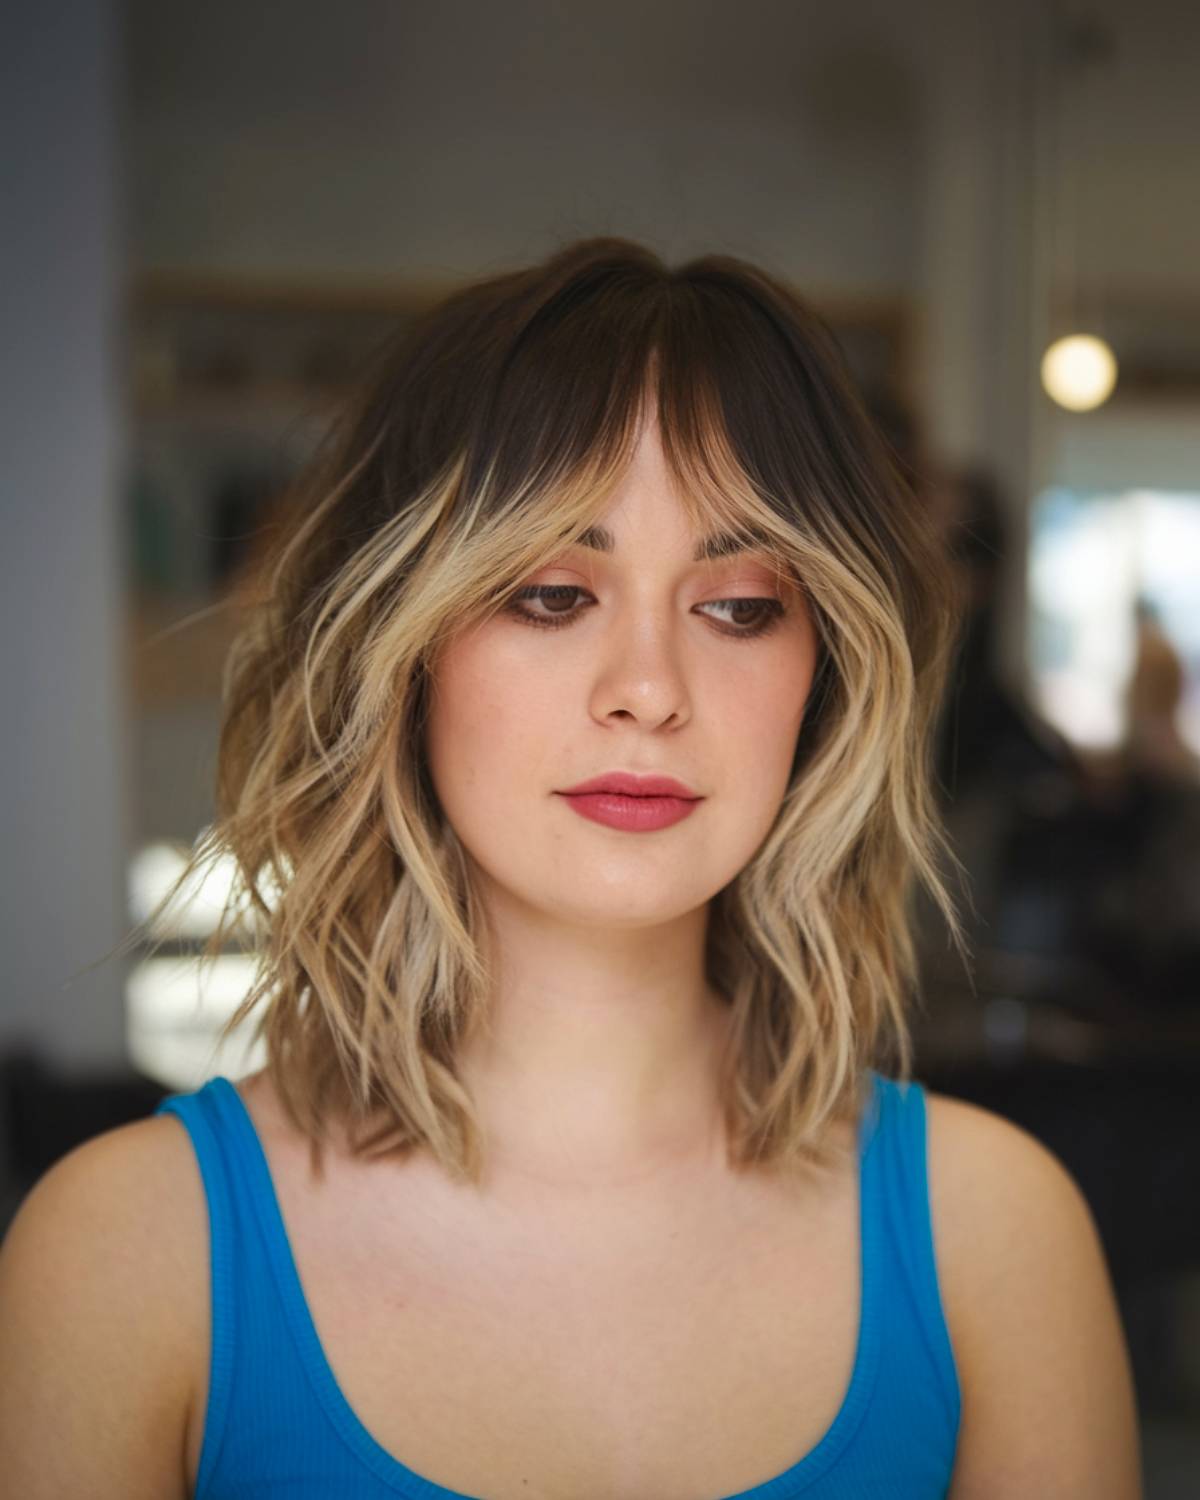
(575, 762)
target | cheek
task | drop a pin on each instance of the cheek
(486, 716)
(765, 702)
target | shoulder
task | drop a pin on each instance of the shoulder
(136, 1186)
(103, 1299)
(1048, 1405)
(134, 1190)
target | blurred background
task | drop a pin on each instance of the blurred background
(214, 213)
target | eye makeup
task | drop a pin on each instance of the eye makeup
(768, 611)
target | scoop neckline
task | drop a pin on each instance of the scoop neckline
(406, 1481)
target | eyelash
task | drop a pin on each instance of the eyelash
(775, 610)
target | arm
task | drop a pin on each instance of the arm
(1048, 1405)
(94, 1325)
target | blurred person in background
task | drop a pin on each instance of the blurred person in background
(1006, 779)
(1012, 784)
(1087, 861)
(1145, 914)
(1153, 745)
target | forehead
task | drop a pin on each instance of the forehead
(716, 545)
(650, 479)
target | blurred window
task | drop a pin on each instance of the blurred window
(1092, 558)
(175, 1008)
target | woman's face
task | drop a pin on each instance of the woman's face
(653, 671)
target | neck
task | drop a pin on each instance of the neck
(599, 1061)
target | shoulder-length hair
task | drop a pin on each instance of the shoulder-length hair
(483, 440)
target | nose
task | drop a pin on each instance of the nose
(642, 673)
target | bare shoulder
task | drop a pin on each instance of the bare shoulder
(134, 1191)
(1048, 1405)
(103, 1297)
(138, 1186)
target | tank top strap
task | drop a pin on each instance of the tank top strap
(912, 1297)
(276, 1421)
(201, 1115)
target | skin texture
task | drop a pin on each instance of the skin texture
(604, 1031)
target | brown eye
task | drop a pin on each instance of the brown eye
(548, 593)
(764, 613)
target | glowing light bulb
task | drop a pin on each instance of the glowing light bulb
(1079, 372)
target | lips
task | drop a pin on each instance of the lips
(628, 784)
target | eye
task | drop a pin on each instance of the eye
(764, 613)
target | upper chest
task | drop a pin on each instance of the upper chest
(687, 1343)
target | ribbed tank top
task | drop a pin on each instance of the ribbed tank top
(277, 1423)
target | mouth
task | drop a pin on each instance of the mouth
(638, 812)
(629, 784)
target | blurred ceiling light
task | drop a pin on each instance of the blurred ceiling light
(1079, 372)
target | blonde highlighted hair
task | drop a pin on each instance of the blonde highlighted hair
(483, 440)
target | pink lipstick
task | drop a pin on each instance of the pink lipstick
(635, 803)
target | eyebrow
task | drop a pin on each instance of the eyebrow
(719, 544)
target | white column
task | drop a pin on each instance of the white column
(981, 264)
(63, 799)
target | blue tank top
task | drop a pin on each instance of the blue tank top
(278, 1424)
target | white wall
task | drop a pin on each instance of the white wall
(63, 797)
(374, 139)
